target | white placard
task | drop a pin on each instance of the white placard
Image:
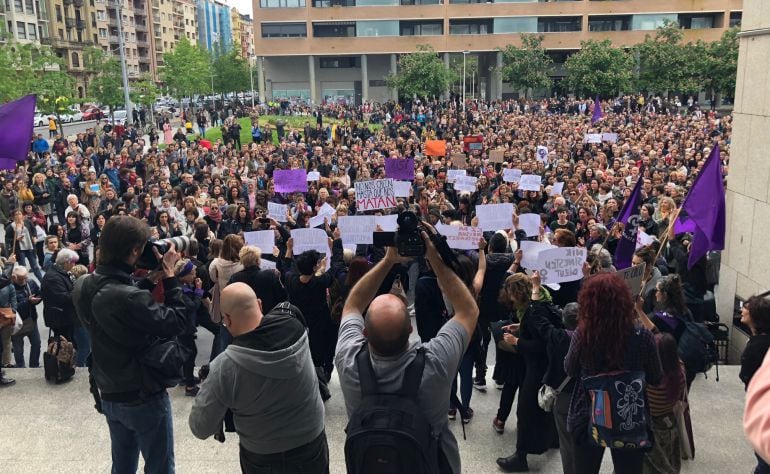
(375, 194)
(313, 175)
(530, 182)
(387, 223)
(452, 175)
(511, 175)
(310, 239)
(530, 250)
(277, 211)
(315, 221)
(262, 239)
(461, 237)
(357, 229)
(530, 223)
(267, 265)
(643, 239)
(610, 137)
(466, 183)
(557, 189)
(402, 189)
(542, 153)
(326, 210)
(633, 276)
(495, 216)
(592, 138)
(561, 264)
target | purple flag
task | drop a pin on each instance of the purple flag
(705, 208)
(629, 217)
(684, 224)
(16, 123)
(290, 181)
(398, 168)
(598, 114)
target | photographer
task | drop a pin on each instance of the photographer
(125, 325)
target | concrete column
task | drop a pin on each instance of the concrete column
(261, 78)
(446, 65)
(311, 75)
(498, 76)
(364, 78)
(393, 70)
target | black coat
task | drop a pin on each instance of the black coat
(56, 290)
(266, 285)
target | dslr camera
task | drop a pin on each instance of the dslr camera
(148, 261)
(408, 239)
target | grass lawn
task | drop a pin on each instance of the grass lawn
(292, 122)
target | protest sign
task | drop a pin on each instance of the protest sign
(529, 182)
(530, 250)
(496, 156)
(511, 175)
(466, 183)
(495, 216)
(592, 138)
(326, 210)
(262, 239)
(277, 211)
(460, 237)
(318, 220)
(402, 189)
(313, 176)
(310, 239)
(267, 265)
(94, 188)
(459, 160)
(542, 153)
(633, 276)
(610, 137)
(530, 223)
(556, 189)
(452, 175)
(290, 181)
(643, 239)
(435, 148)
(356, 229)
(561, 264)
(375, 194)
(387, 223)
(398, 168)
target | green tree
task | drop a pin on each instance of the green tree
(665, 63)
(723, 67)
(527, 67)
(106, 87)
(231, 73)
(12, 70)
(421, 74)
(145, 92)
(599, 68)
(187, 70)
(44, 73)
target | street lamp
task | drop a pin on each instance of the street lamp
(252, 62)
(465, 53)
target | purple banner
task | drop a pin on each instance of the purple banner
(16, 123)
(290, 181)
(398, 168)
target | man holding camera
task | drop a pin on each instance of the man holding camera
(126, 325)
(385, 332)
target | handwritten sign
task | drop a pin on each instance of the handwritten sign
(460, 237)
(530, 223)
(326, 210)
(530, 251)
(529, 182)
(495, 216)
(398, 168)
(542, 153)
(496, 156)
(561, 264)
(375, 194)
(313, 176)
(557, 189)
(357, 229)
(610, 137)
(310, 239)
(402, 189)
(264, 240)
(290, 181)
(592, 138)
(452, 175)
(459, 161)
(466, 183)
(643, 239)
(633, 276)
(511, 175)
(317, 221)
(277, 211)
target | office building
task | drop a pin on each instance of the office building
(214, 26)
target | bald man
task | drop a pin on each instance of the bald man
(385, 334)
(267, 379)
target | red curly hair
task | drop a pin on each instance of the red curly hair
(606, 318)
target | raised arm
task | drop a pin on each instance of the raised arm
(366, 289)
(478, 279)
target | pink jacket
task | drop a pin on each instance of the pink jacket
(756, 417)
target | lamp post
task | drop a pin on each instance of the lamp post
(252, 62)
(465, 53)
(122, 52)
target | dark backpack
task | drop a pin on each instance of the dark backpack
(697, 348)
(389, 433)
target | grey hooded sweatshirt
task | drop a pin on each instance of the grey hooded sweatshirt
(267, 379)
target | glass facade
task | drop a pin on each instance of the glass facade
(377, 28)
(522, 24)
(652, 22)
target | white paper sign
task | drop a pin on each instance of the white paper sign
(466, 183)
(530, 250)
(402, 189)
(495, 216)
(326, 210)
(452, 175)
(262, 239)
(387, 223)
(592, 138)
(511, 175)
(310, 239)
(316, 221)
(557, 188)
(461, 237)
(561, 264)
(530, 223)
(313, 175)
(375, 194)
(530, 182)
(643, 239)
(633, 276)
(542, 153)
(610, 137)
(357, 229)
(267, 265)
(277, 211)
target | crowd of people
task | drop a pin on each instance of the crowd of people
(284, 321)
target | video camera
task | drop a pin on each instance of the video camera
(408, 239)
(148, 261)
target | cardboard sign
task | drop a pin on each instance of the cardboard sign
(561, 264)
(375, 194)
(610, 137)
(262, 239)
(542, 153)
(277, 211)
(530, 251)
(530, 182)
(495, 216)
(357, 229)
(466, 183)
(530, 223)
(402, 189)
(398, 168)
(633, 276)
(511, 175)
(452, 175)
(459, 161)
(592, 138)
(496, 156)
(313, 176)
(557, 188)
(310, 239)
(290, 181)
(435, 148)
(461, 237)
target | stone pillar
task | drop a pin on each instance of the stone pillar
(311, 75)
(364, 78)
(393, 70)
(261, 78)
(447, 93)
(498, 76)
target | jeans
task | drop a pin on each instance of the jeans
(30, 331)
(23, 256)
(141, 427)
(588, 459)
(310, 458)
(762, 466)
(466, 380)
(83, 344)
(481, 359)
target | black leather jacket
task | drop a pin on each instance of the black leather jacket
(122, 319)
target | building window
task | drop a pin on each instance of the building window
(609, 23)
(281, 3)
(377, 28)
(698, 21)
(524, 24)
(333, 3)
(101, 15)
(295, 94)
(21, 30)
(421, 2)
(284, 30)
(31, 31)
(651, 22)
(334, 29)
(376, 3)
(75, 60)
(735, 18)
(377, 83)
(421, 28)
(30, 5)
(103, 33)
(18, 6)
(558, 24)
(470, 27)
(343, 62)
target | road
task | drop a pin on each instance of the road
(69, 128)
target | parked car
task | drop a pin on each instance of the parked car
(41, 120)
(76, 114)
(119, 116)
(93, 113)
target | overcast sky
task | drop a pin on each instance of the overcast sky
(243, 6)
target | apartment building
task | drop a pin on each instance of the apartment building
(341, 50)
(215, 31)
(243, 33)
(24, 21)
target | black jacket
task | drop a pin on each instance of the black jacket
(127, 320)
(266, 285)
(56, 290)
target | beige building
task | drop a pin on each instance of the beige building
(247, 37)
(745, 267)
(308, 52)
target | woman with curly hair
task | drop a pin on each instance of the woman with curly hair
(607, 339)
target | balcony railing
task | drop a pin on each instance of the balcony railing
(81, 24)
(69, 22)
(67, 2)
(79, 3)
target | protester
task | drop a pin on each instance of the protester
(27, 297)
